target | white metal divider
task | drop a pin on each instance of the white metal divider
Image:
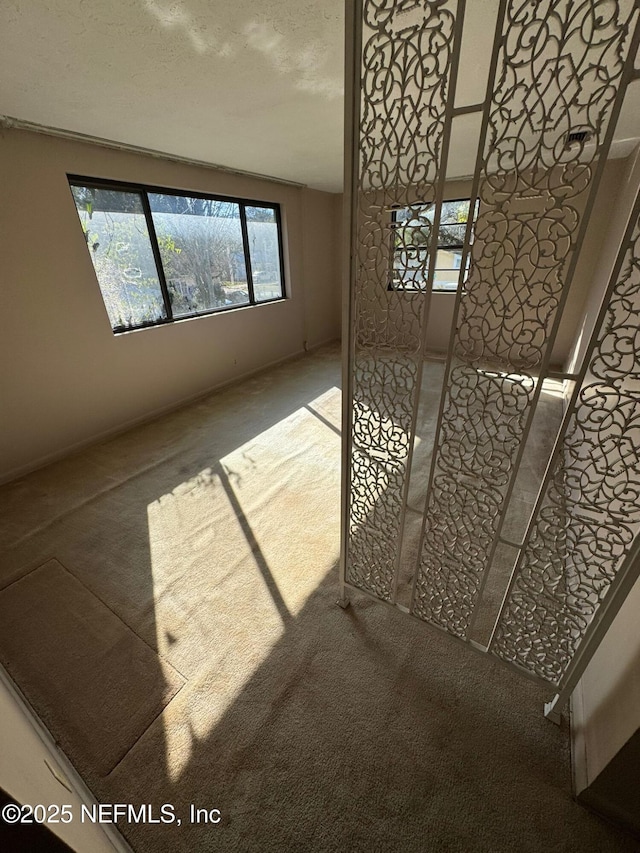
(559, 72)
(528, 236)
(403, 59)
(582, 546)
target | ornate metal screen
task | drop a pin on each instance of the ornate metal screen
(405, 110)
(558, 75)
(588, 511)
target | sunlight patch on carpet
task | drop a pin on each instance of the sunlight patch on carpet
(236, 551)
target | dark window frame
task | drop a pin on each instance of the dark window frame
(243, 203)
(392, 286)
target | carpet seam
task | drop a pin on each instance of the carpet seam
(30, 572)
(117, 615)
(142, 734)
(141, 639)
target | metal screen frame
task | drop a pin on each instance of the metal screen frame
(628, 34)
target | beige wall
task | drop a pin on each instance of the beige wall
(322, 273)
(595, 260)
(66, 379)
(611, 214)
(607, 706)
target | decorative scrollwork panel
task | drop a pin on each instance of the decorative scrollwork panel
(591, 508)
(559, 71)
(478, 438)
(406, 63)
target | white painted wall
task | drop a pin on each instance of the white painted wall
(609, 694)
(66, 380)
(28, 757)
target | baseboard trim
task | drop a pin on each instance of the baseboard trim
(319, 344)
(612, 794)
(148, 417)
(601, 806)
(579, 772)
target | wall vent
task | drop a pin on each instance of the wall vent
(577, 136)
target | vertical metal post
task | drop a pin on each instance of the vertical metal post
(247, 255)
(353, 50)
(153, 239)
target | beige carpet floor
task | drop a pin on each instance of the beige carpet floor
(211, 535)
(54, 635)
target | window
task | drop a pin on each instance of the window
(412, 228)
(161, 255)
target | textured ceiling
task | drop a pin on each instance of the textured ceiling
(255, 85)
(248, 84)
